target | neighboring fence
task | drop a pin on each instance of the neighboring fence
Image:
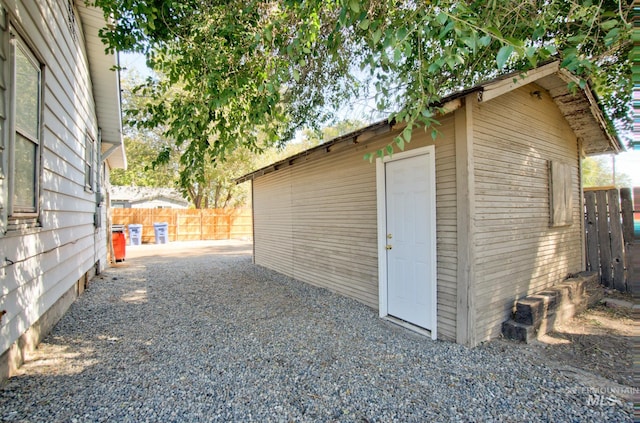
(610, 235)
(189, 224)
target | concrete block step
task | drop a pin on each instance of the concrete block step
(518, 331)
(538, 313)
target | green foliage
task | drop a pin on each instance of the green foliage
(313, 138)
(231, 71)
(598, 172)
(141, 154)
(155, 161)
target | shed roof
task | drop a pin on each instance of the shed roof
(581, 109)
(106, 85)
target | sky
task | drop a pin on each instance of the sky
(626, 162)
(629, 164)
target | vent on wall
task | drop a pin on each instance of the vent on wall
(71, 20)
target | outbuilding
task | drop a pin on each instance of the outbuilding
(447, 235)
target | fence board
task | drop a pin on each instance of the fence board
(633, 267)
(626, 206)
(607, 220)
(617, 246)
(591, 227)
(189, 224)
(604, 241)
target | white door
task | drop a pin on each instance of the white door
(409, 238)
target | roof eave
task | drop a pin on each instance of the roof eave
(584, 113)
(360, 136)
(106, 86)
(581, 109)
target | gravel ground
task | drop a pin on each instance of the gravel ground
(194, 335)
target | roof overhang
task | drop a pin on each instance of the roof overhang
(105, 80)
(580, 108)
(360, 137)
(318, 151)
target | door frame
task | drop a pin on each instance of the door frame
(381, 195)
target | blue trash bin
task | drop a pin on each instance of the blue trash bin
(161, 231)
(135, 234)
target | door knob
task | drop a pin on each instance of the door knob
(389, 246)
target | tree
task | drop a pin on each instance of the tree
(597, 172)
(141, 153)
(245, 68)
(154, 161)
(312, 138)
(143, 147)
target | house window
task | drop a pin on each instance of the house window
(89, 159)
(561, 194)
(25, 137)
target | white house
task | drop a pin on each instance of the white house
(446, 236)
(146, 198)
(60, 134)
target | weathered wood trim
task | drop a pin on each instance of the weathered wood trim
(465, 187)
(503, 86)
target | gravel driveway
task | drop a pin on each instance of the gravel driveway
(191, 332)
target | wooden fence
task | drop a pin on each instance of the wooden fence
(610, 236)
(189, 224)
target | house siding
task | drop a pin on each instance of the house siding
(317, 222)
(47, 261)
(517, 252)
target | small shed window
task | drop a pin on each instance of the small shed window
(561, 193)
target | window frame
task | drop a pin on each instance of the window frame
(22, 216)
(90, 160)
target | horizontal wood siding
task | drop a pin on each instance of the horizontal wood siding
(46, 262)
(272, 225)
(316, 222)
(333, 205)
(517, 252)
